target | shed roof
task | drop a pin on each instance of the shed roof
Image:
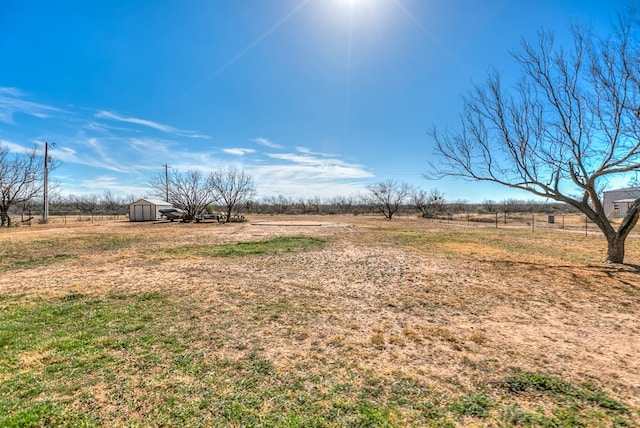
(152, 201)
(626, 189)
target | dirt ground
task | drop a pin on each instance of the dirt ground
(453, 317)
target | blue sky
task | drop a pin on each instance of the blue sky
(311, 97)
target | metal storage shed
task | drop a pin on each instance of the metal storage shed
(147, 209)
(616, 202)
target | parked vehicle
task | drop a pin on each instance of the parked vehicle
(172, 214)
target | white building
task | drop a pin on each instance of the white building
(617, 202)
(147, 209)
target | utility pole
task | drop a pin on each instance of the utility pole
(166, 181)
(47, 160)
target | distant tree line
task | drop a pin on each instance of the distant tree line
(106, 205)
(418, 202)
(231, 192)
(88, 205)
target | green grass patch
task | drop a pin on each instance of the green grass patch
(28, 261)
(573, 405)
(25, 255)
(145, 360)
(127, 360)
(284, 244)
(559, 390)
(476, 405)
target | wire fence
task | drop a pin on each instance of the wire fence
(533, 222)
(64, 218)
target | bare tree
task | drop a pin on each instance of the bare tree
(21, 180)
(232, 188)
(571, 122)
(343, 204)
(488, 206)
(511, 205)
(314, 205)
(129, 199)
(386, 197)
(428, 203)
(281, 204)
(458, 206)
(159, 185)
(87, 204)
(112, 204)
(189, 191)
(304, 205)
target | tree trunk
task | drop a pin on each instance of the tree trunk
(6, 220)
(615, 241)
(615, 249)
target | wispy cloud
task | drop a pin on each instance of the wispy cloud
(144, 145)
(13, 101)
(100, 184)
(91, 152)
(265, 142)
(15, 148)
(308, 151)
(238, 151)
(300, 181)
(104, 114)
(298, 159)
(101, 150)
(313, 167)
(305, 173)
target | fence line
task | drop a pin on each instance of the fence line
(547, 222)
(533, 222)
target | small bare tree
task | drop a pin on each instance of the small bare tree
(573, 121)
(87, 204)
(232, 188)
(188, 191)
(386, 197)
(281, 204)
(113, 205)
(428, 203)
(21, 180)
(343, 204)
(488, 206)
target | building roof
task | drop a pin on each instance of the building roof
(623, 201)
(152, 201)
(626, 189)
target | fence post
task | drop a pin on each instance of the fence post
(533, 222)
(586, 225)
(496, 220)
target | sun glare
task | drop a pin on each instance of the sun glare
(351, 2)
(360, 7)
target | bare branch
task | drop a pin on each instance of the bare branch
(570, 123)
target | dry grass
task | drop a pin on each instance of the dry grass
(454, 309)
